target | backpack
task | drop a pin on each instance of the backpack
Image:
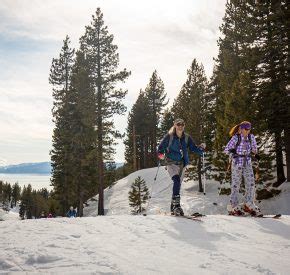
(171, 139)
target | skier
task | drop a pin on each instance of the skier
(239, 148)
(173, 149)
(71, 213)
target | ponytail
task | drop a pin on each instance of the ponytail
(234, 130)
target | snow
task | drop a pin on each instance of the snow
(119, 243)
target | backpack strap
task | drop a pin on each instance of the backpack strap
(186, 136)
(239, 140)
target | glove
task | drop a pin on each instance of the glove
(161, 156)
(233, 151)
(257, 157)
(202, 146)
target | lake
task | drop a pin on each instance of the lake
(37, 181)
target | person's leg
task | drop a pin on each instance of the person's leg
(174, 172)
(250, 190)
(235, 185)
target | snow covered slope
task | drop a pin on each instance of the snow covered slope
(116, 197)
(154, 244)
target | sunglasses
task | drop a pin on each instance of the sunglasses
(247, 129)
(180, 124)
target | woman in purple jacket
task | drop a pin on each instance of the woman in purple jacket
(239, 148)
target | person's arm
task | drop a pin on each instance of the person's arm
(163, 144)
(254, 144)
(193, 148)
(231, 146)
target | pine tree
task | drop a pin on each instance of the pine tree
(273, 100)
(138, 195)
(16, 192)
(167, 121)
(235, 81)
(83, 153)
(137, 144)
(60, 74)
(103, 60)
(191, 105)
(156, 95)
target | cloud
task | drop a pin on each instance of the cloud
(164, 35)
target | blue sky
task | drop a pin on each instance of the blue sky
(164, 35)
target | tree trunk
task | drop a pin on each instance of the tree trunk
(100, 136)
(287, 149)
(279, 160)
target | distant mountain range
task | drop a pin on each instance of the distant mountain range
(33, 168)
(27, 168)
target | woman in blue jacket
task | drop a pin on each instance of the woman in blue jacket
(173, 148)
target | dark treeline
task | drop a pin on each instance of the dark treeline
(249, 82)
(32, 203)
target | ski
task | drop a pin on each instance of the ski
(193, 218)
(277, 216)
(197, 214)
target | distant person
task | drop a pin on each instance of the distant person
(174, 150)
(42, 215)
(71, 213)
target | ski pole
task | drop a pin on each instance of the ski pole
(203, 173)
(151, 192)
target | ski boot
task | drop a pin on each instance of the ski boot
(252, 209)
(235, 211)
(176, 209)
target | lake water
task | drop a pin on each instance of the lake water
(37, 181)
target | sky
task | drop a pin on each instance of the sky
(162, 35)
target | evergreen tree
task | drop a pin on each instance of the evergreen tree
(60, 74)
(103, 60)
(16, 192)
(167, 121)
(138, 195)
(191, 105)
(272, 19)
(83, 132)
(139, 119)
(235, 81)
(156, 95)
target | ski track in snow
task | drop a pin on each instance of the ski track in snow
(119, 243)
(154, 244)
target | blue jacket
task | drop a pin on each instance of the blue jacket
(178, 148)
(71, 214)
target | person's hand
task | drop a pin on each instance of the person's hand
(161, 156)
(202, 146)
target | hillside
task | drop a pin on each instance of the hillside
(116, 197)
(156, 244)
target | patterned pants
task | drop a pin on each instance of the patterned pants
(247, 173)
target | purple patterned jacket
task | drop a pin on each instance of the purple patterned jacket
(244, 149)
